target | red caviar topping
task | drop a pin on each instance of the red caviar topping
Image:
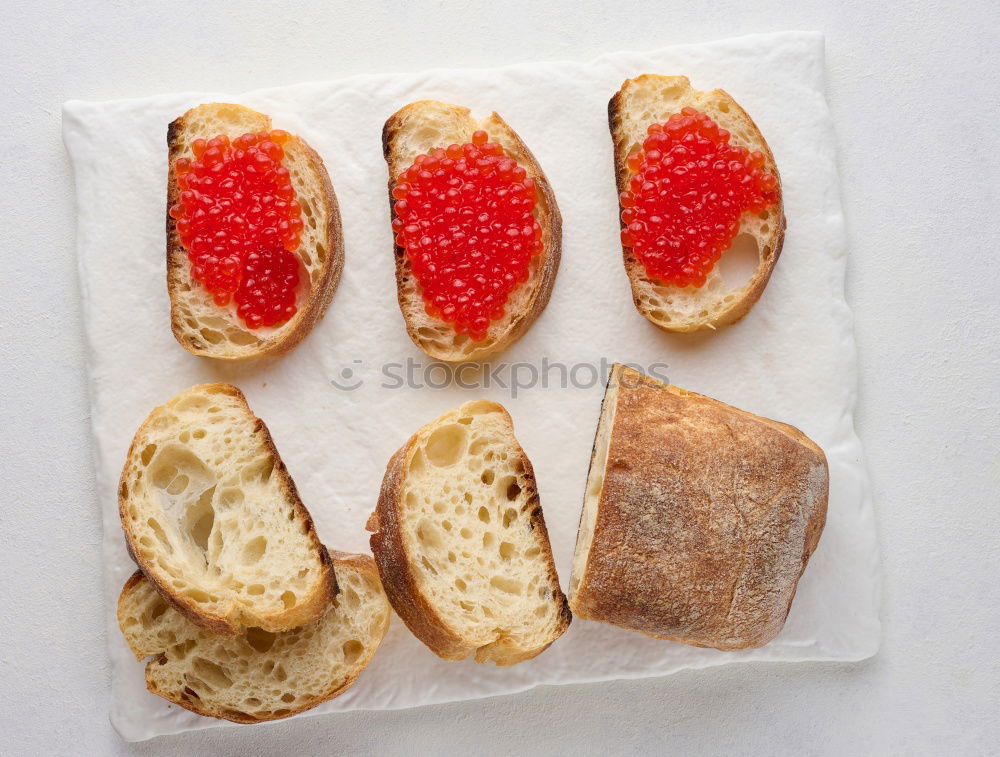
(240, 223)
(688, 189)
(464, 216)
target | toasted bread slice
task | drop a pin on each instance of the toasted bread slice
(213, 519)
(201, 326)
(722, 300)
(698, 518)
(419, 128)
(461, 543)
(257, 675)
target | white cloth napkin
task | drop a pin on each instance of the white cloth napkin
(792, 358)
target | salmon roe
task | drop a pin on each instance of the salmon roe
(688, 189)
(464, 216)
(240, 223)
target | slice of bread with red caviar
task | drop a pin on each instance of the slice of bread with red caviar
(199, 324)
(720, 301)
(257, 675)
(416, 130)
(213, 519)
(461, 543)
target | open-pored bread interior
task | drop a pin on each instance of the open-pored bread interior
(473, 534)
(212, 516)
(257, 675)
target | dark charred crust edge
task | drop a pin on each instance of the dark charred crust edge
(174, 246)
(389, 131)
(538, 525)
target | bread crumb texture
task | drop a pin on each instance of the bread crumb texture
(472, 523)
(257, 675)
(212, 516)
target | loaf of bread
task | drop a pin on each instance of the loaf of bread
(257, 675)
(213, 519)
(461, 543)
(698, 518)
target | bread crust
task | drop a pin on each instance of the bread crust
(288, 335)
(394, 566)
(706, 520)
(399, 579)
(548, 215)
(325, 588)
(617, 109)
(362, 563)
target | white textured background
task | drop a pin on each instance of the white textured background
(914, 93)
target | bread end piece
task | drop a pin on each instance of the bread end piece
(721, 300)
(698, 518)
(206, 329)
(257, 676)
(461, 543)
(418, 128)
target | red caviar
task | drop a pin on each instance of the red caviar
(464, 216)
(688, 189)
(240, 223)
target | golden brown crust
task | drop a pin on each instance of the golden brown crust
(399, 580)
(549, 218)
(194, 705)
(133, 581)
(320, 295)
(305, 612)
(634, 268)
(394, 566)
(362, 563)
(706, 520)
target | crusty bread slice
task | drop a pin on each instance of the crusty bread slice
(461, 543)
(418, 128)
(212, 517)
(722, 300)
(201, 326)
(257, 675)
(698, 518)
